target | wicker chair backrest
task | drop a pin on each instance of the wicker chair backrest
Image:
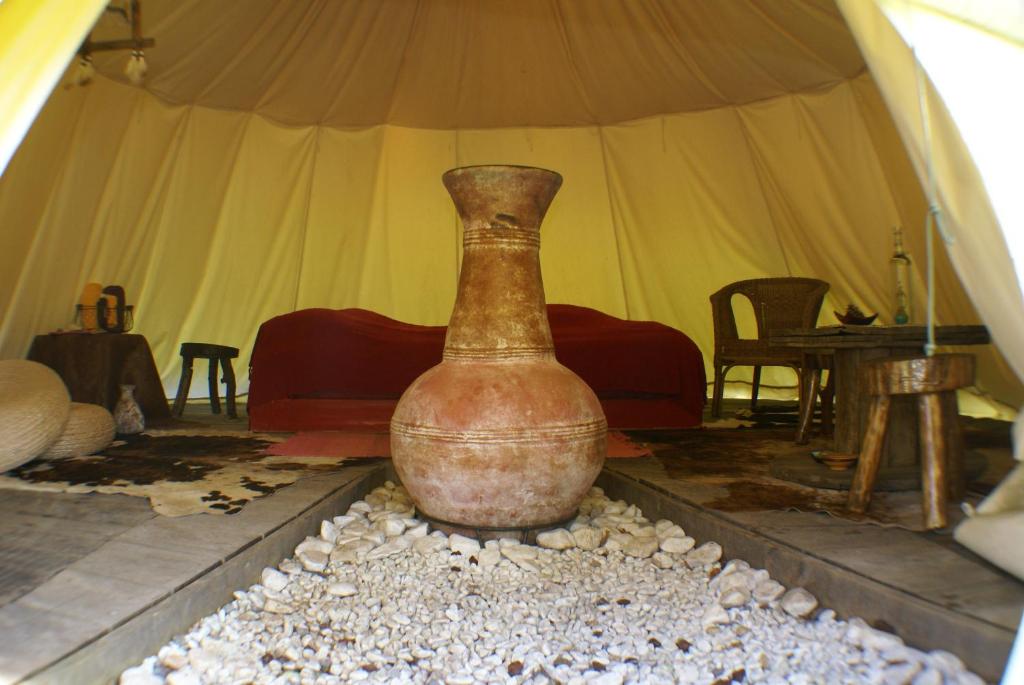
(777, 303)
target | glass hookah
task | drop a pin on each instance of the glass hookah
(900, 265)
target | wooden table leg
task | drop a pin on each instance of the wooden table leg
(810, 378)
(870, 456)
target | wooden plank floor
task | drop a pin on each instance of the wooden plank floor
(42, 533)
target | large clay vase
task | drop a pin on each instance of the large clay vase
(499, 434)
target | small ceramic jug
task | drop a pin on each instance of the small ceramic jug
(128, 416)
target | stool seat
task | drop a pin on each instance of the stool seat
(915, 375)
(934, 380)
(221, 354)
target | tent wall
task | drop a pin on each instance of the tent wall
(215, 220)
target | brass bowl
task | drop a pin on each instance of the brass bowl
(836, 461)
(854, 320)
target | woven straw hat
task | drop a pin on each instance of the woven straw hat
(89, 429)
(34, 406)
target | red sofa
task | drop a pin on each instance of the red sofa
(323, 369)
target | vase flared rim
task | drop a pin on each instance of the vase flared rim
(524, 167)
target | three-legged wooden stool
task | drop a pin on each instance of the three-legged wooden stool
(215, 353)
(933, 380)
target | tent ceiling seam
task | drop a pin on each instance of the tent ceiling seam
(305, 26)
(574, 69)
(755, 5)
(400, 70)
(684, 53)
(238, 57)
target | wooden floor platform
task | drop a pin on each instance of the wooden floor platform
(90, 584)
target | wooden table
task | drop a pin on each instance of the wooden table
(94, 365)
(853, 345)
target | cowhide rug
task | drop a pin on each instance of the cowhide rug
(775, 415)
(180, 474)
(729, 471)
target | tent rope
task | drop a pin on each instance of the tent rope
(934, 216)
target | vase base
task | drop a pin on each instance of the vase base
(526, 535)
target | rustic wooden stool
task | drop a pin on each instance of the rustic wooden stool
(934, 380)
(215, 353)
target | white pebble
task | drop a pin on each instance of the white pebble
(900, 674)
(799, 603)
(558, 539)
(947, 663)
(641, 547)
(706, 554)
(315, 544)
(588, 537)
(277, 607)
(185, 676)
(313, 560)
(715, 615)
(328, 531)
(429, 545)
(734, 597)
(418, 530)
(487, 558)
(342, 589)
(272, 579)
(677, 545)
(662, 560)
(389, 548)
(467, 547)
(768, 591)
(172, 658)
(929, 676)
(140, 676)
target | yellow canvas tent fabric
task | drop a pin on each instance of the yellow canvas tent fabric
(287, 155)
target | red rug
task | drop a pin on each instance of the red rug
(353, 444)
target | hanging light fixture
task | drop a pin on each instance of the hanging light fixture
(135, 69)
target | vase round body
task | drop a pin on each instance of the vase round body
(499, 434)
(128, 417)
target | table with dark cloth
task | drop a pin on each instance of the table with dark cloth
(95, 365)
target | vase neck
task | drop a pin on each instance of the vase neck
(499, 311)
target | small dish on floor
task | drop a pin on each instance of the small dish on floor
(836, 461)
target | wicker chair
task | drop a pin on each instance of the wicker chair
(778, 303)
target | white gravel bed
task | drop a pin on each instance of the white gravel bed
(613, 599)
